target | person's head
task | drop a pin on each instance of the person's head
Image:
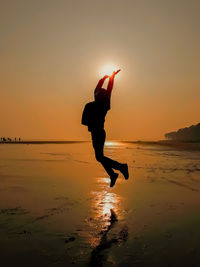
(100, 95)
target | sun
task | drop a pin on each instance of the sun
(107, 70)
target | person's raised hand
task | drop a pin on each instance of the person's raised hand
(105, 77)
(115, 72)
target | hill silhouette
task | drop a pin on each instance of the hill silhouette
(191, 133)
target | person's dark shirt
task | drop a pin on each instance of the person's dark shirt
(101, 105)
(99, 108)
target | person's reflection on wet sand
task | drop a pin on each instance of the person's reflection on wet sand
(98, 257)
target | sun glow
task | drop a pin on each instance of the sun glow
(107, 69)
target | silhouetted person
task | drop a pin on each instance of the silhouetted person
(94, 117)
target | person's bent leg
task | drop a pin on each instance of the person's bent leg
(100, 158)
(98, 139)
(122, 167)
(112, 163)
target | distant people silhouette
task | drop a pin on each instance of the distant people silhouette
(94, 117)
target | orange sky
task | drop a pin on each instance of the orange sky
(52, 52)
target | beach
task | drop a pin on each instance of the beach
(57, 207)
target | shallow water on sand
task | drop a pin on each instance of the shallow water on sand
(57, 209)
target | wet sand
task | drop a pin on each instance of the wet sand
(57, 209)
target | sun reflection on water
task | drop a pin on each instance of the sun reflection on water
(104, 202)
(113, 144)
(105, 199)
(109, 202)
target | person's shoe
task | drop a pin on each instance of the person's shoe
(124, 171)
(113, 179)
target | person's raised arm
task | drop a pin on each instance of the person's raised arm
(100, 83)
(111, 81)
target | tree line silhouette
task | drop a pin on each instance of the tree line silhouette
(191, 133)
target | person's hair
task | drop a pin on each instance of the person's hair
(100, 95)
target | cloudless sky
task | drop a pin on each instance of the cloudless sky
(52, 52)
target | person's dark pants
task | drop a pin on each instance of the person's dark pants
(98, 140)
